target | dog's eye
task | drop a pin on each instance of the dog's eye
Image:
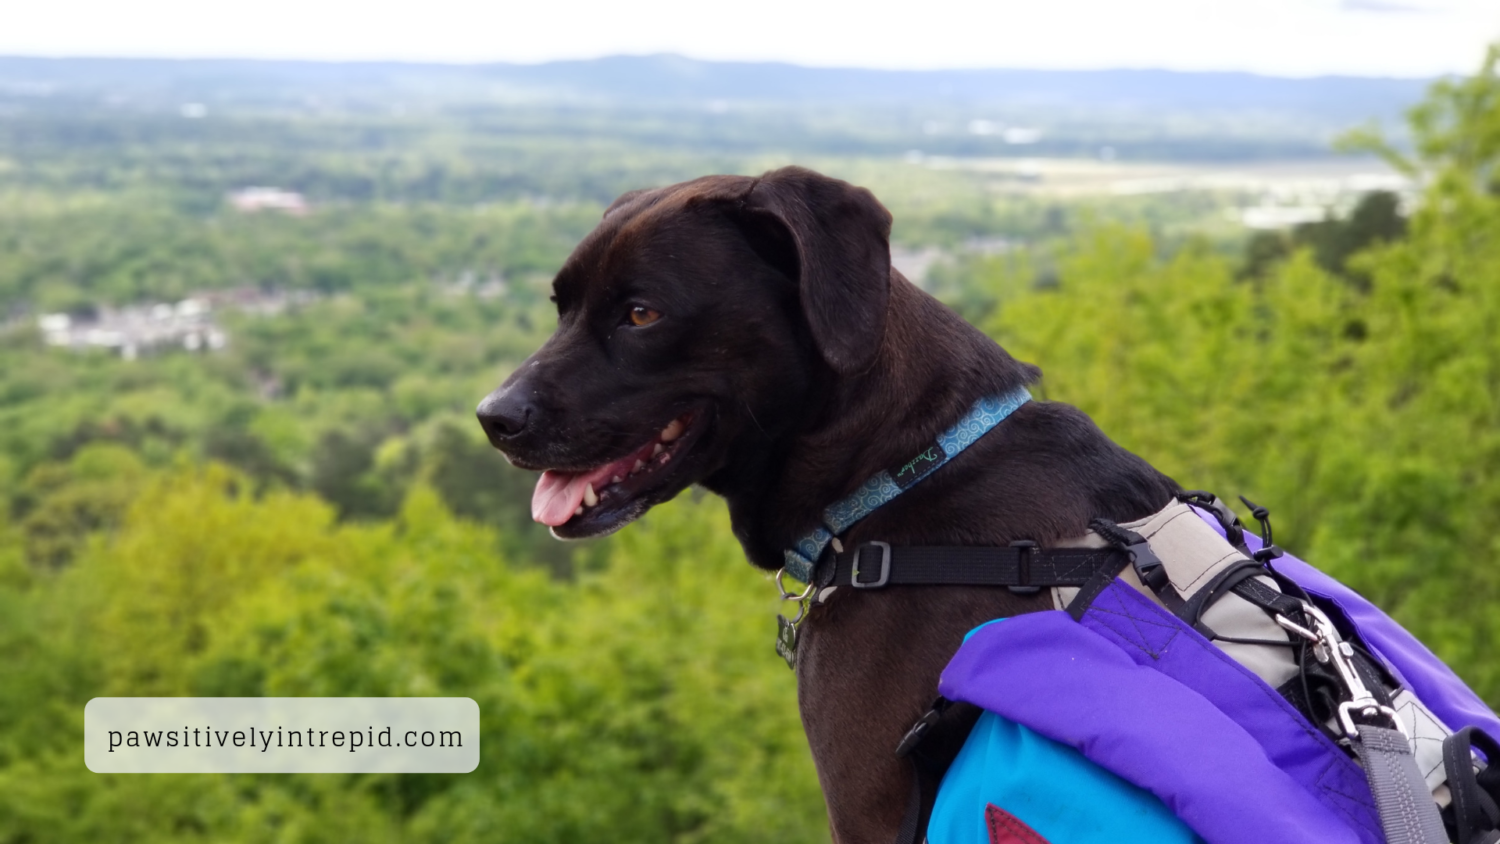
(643, 316)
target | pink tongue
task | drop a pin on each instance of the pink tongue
(558, 495)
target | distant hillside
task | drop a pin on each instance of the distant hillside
(665, 102)
(673, 80)
(676, 78)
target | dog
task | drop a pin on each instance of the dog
(749, 335)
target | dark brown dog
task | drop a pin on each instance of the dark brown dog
(751, 336)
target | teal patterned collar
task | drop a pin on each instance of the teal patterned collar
(884, 486)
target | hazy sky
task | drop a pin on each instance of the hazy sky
(1289, 37)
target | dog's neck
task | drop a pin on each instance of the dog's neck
(853, 427)
(867, 666)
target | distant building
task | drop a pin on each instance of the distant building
(256, 199)
(187, 325)
(137, 330)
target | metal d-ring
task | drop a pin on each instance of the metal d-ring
(803, 599)
(791, 596)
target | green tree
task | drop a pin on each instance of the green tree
(1367, 417)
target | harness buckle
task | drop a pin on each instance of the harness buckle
(1026, 552)
(1148, 567)
(922, 727)
(885, 566)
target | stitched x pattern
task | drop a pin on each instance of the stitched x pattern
(1148, 635)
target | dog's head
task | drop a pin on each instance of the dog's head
(694, 325)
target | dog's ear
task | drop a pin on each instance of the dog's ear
(834, 239)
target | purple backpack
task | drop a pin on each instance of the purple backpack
(1257, 699)
(1139, 691)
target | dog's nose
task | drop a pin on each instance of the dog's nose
(504, 414)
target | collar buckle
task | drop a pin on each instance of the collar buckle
(1025, 553)
(885, 566)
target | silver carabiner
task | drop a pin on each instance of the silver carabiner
(1332, 649)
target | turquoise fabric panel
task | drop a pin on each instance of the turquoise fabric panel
(1050, 787)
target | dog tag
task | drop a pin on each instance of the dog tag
(786, 641)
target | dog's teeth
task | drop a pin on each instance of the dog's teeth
(672, 431)
(657, 449)
(578, 512)
(639, 465)
(590, 498)
(616, 479)
(664, 458)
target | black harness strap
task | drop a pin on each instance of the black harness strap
(1021, 567)
(1475, 812)
(1234, 532)
(1273, 602)
(912, 823)
(1094, 588)
(1136, 551)
(1220, 585)
(931, 744)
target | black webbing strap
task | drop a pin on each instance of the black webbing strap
(1094, 588)
(1220, 585)
(911, 822)
(1234, 532)
(1268, 599)
(1148, 567)
(1476, 814)
(1021, 567)
(931, 744)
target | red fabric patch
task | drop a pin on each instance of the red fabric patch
(1006, 828)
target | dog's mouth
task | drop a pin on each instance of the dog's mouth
(607, 497)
